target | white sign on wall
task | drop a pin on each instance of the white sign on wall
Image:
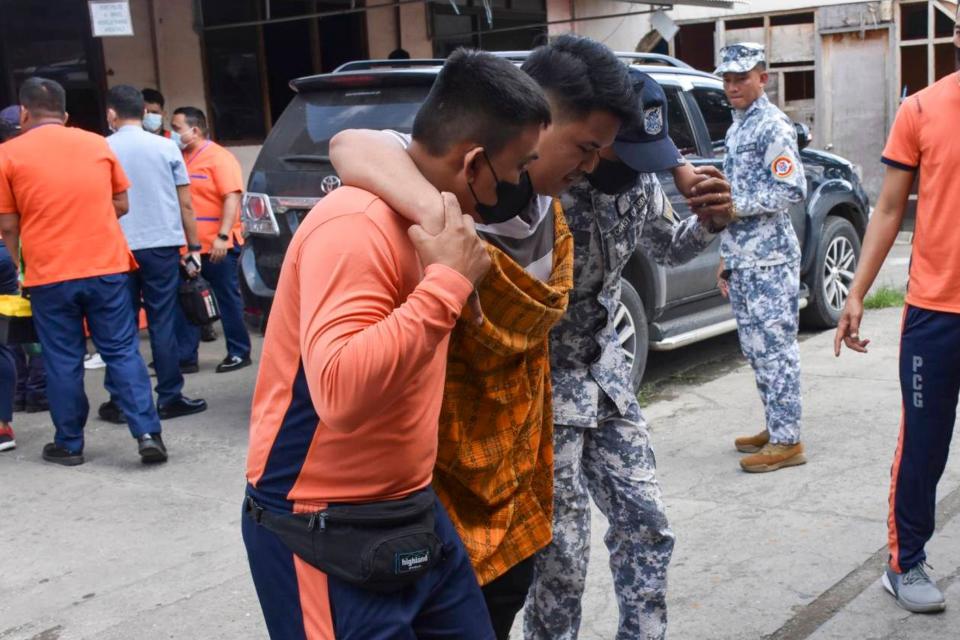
(110, 18)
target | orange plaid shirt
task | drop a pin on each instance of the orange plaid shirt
(494, 470)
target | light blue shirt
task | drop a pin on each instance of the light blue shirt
(155, 168)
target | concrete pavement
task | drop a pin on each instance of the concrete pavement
(756, 554)
(115, 550)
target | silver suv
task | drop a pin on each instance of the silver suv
(662, 308)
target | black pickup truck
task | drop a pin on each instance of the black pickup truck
(662, 308)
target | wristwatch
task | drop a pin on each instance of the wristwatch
(223, 236)
(194, 247)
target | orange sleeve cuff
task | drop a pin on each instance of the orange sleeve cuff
(448, 285)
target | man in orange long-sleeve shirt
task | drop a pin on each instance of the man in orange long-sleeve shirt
(351, 379)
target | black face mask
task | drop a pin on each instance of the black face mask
(612, 177)
(511, 198)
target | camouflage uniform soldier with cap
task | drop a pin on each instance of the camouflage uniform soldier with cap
(601, 443)
(761, 255)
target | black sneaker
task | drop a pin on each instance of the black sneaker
(53, 452)
(232, 363)
(189, 367)
(182, 406)
(110, 412)
(37, 405)
(19, 404)
(150, 446)
(208, 333)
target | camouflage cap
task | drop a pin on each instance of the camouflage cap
(740, 58)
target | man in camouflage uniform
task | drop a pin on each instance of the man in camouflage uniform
(601, 443)
(761, 255)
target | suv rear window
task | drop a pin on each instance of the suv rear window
(312, 118)
(716, 113)
(680, 131)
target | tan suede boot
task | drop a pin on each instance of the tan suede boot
(774, 456)
(752, 444)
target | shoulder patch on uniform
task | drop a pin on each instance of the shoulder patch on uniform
(783, 167)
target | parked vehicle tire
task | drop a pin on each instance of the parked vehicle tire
(832, 273)
(634, 334)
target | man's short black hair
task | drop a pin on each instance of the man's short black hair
(126, 100)
(481, 98)
(581, 76)
(194, 118)
(41, 96)
(153, 96)
(399, 54)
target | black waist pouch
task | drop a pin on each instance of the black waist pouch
(198, 302)
(378, 546)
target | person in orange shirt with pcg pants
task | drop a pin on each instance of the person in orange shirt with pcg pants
(924, 139)
(216, 184)
(62, 191)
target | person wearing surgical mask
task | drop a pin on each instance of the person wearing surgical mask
(153, 103)
(216, 186)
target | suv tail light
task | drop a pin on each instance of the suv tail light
(257, 215)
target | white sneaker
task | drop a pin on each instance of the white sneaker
(93, 362)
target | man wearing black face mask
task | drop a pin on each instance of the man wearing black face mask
(601, 444)
(495, 466)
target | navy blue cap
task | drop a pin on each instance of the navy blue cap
(645, 143)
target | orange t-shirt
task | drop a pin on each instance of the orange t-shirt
(61, 181)
(214, 173)
(924, 138)
(347, 399)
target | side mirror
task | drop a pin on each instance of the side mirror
(804, 137)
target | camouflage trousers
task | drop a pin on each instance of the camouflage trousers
(614, 464)
(765, 302)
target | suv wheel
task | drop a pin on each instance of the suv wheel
(836, 262)
(632, 331)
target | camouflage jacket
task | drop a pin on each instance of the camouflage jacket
(766, 175)
(585, 354)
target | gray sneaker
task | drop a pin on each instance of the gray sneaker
(914, 590)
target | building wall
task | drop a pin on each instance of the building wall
(382, 34)
(130, 60)
(624, 33)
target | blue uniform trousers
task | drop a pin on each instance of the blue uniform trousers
(930, 387)
(8, 360)
(224, 280)
(58, 313)
(156, 283)
(765, 302)
(31, 376)
(446, 603)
